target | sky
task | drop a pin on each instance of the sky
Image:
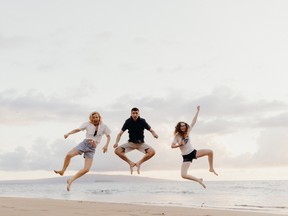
(61, 60)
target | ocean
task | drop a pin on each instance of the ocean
(257, 196)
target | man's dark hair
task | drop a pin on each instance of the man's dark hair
(134, 109)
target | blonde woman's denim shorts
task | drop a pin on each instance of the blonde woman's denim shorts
(86, 148)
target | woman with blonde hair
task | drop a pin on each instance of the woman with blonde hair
(182, 141)
(95, 129)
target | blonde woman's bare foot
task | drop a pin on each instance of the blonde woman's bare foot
(138, 167)
(212, 170)
(201, 182)
(68, 184)
(59, 172)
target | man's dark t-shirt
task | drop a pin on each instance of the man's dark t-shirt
(136, 129)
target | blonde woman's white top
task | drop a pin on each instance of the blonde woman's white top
(90, 131)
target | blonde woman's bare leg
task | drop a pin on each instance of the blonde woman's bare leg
(67, 160)
(184, 174)
(87, 165)
(209, 153)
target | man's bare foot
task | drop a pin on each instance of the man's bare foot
(212, 170)
(138, 167)
(68, 184)
(201, 182)
(131, 167)
(59, 172)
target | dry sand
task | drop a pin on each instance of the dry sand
(50, 207)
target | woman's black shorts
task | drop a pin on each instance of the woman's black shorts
(190, 157)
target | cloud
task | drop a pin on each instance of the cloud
(32, 106)
(272, 147)
(222, 111)
(42, 156)
(12, 43)
(271, 144)
(224, 105)
(275, 121)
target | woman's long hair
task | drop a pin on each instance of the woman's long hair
(178, 130)
(93, 113)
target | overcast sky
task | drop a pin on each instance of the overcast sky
(61, 60)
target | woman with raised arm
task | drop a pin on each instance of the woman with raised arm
(182, 141)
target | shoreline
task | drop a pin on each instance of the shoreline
(12, 206)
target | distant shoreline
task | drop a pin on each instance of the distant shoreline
(91, 178)
(113, 178)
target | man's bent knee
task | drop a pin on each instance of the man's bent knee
(119, 150)
(151, 152)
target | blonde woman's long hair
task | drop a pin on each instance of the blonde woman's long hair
(93, 113)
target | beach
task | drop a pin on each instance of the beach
(130, 192)
(11, 206)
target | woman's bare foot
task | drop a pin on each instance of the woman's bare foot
(212, 170)
(201, 182)
(59, 172)
(68, 184)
